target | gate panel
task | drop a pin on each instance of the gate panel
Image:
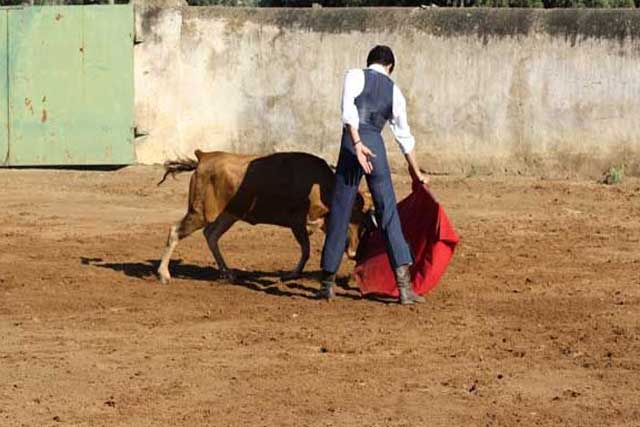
(71, 85)
(4, 91)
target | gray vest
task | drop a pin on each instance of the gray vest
(375, 103)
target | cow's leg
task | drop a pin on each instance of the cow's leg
(302, 236)
(178, 231)
(213, 232)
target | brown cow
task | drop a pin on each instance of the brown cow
(287, 189)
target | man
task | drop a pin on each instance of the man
(370, 99)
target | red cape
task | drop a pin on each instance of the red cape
(430, 236)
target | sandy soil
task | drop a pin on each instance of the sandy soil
(537, 321)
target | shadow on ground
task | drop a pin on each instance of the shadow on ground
(269, 282)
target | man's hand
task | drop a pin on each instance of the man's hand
(416, 175)
(364, 157)
(414, 170)
(422, 179)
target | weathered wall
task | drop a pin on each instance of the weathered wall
(517, 91)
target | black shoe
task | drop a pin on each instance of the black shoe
(403, 280)
(326, 290)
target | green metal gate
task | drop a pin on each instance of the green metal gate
(67, 98)
(4, 89)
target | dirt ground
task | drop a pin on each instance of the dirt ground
(537, 321)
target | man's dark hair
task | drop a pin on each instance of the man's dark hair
(382, 55)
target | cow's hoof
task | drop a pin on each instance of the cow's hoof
(291, 275)
(164, 277)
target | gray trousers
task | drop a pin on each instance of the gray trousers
(348, 176)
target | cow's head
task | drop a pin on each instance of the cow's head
(360, 219)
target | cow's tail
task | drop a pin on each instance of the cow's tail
(173, 167)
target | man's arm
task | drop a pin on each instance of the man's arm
(402, 132)
(414, 170)
(353, 86)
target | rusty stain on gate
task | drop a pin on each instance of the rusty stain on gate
(66, 96)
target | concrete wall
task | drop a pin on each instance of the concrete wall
(515, 91)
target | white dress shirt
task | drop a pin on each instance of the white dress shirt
(353, 87)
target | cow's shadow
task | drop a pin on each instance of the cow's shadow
(269, 282)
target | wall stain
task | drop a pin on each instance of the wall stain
(571, 24)
(29, 105)
(518, 114)
(150, 19)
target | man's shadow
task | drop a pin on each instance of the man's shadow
(260, 281)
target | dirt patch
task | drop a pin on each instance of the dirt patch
(537, 321)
